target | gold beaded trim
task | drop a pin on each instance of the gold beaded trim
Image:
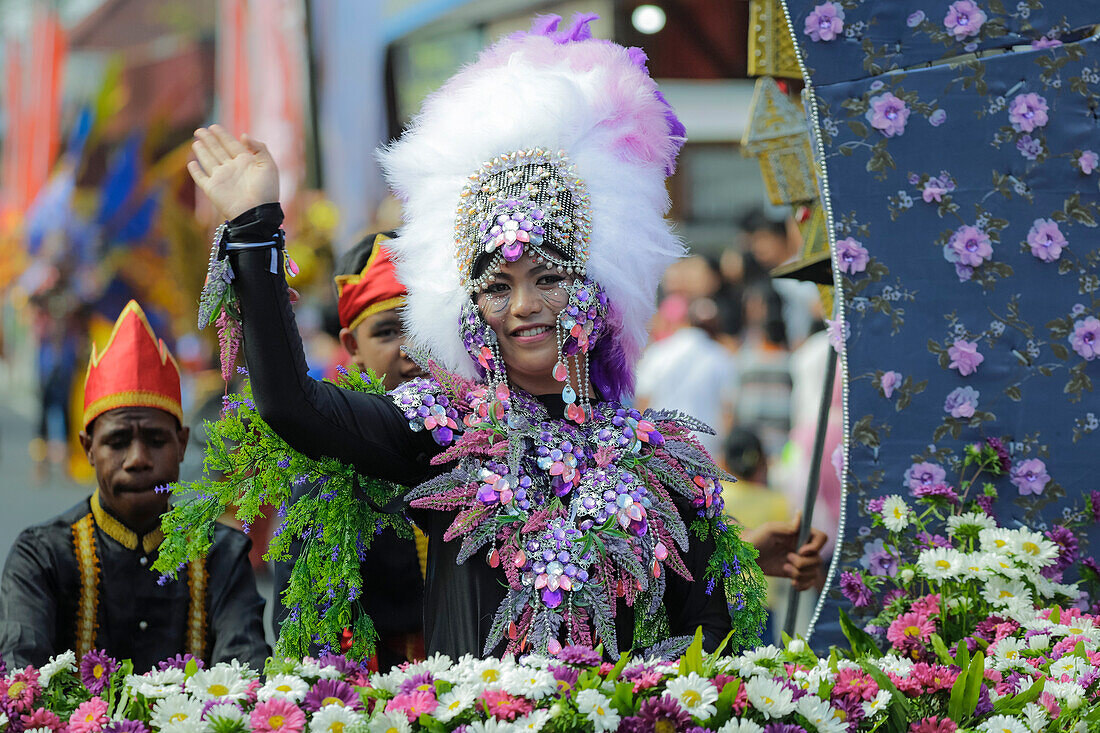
(87, 563)
(538, 179)
(122, 534)
(196, 610)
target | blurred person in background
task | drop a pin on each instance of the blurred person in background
(691, 371)
(371, 332)
(763, 511)
(762, 398)
(83, 580)
(772, 243)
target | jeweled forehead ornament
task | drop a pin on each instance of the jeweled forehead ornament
(525, 202)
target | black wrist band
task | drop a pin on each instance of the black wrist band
(259, 224)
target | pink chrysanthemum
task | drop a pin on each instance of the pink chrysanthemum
(928, 605)
(503, 706)
(43, 718)
(855, 684)
(89, 717)
(413, 704)
(277, 715)
(933, 725)
(20, 689)
(908, 629)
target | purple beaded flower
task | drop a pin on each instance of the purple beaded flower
(969, 246)
(1085, 338)
(852, 256)
(1046, 240)
(825, 22)
(1030, 477)
(964, 356)
(962, 402)
(1028, 111)
(964, 19)
(513, 230)
(888, 114)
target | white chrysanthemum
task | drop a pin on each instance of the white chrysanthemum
(1002, 724)
(157, 684)
(598, 710)
(769, 697)
(975, 566)
(227, 713)
(895, 513)
(1076, 627)
(492, 725)
(489, 673)
(1034, 549)
(1035, 716)
(534, 722)
(969, 523)
(1003, 566)
(892, 663)
(308, 667)
(454, 702)
(1003, 593)
(997, 540)
(3, 720)
(334, 719)
(63, 662)
(177, 712)
(877, 704)
(529, 682)
(1063, 691)
(940, 563)
(1047, 588)
(1007, 654)
(1038, 642)
(242, 669)
(695, 694)
(821, 714)
(796, 646)
(740, 725)
(1069, 664)
(387, 723)
(388, 681)
(757, 661)
(217, 683)
(45, 729)
(289, 686)
(814, 676)
(436, 665)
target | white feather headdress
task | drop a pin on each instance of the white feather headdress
(558, 90)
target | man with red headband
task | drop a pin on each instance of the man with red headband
(83, 579)
(371, 332)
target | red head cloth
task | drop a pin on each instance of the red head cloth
(134, 369)
(370, 288)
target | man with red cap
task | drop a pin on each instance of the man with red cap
(371, 332)
(83, 579)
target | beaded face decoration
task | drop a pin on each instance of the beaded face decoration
(526, 202)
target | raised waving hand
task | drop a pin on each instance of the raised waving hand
(236, 175)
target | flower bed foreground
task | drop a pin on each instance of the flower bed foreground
(973, 631)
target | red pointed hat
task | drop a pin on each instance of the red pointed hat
(134, 369)
(370, 283)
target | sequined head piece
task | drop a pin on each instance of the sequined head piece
(555, 144)
(525, 202)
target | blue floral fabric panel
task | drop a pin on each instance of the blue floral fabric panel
(848, 39)
(965, 205)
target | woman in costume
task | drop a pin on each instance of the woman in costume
(534, 201)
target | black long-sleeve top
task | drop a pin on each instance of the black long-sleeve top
(136, 618)
(370, 433)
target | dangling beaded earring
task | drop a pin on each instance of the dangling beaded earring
(576, 333)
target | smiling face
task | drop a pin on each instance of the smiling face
(134, 450)
(521, 303)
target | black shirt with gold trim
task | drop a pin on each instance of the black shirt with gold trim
(82, 581)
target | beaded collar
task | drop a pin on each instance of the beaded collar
(576, 516)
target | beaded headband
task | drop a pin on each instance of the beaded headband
(525, 202)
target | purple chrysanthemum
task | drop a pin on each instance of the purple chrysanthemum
(96, 668)
(180, 662)
(937, 491)
(926, 541)
(783, 728)
(566, 677)
(126, 726)
(342, 663)
(662, 711)
(855, 590)
(422, 681)
(1067, 543)
(998, 447)
(580, 655)
(330, 692)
